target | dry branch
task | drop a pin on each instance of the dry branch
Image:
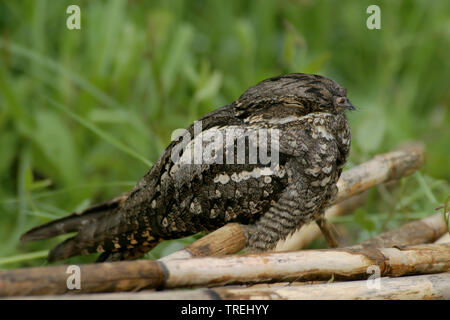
(435, 286)
(101, 277)
(213, 271)
(228, 239)
(382, 168)
(426, 230)
(307, 265)
(444, 239)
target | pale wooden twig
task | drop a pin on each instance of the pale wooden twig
(444, 239)
(382, 168)
(426, 230)
(214, 271)
(435, 286)
(432, 286)
(227, 239)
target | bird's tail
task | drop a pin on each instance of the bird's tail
(73, 222)
(93, 234)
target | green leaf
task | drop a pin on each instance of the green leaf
(92, 127)
(109, 116)
(363, 220)
(176, 56)
(317, 64)
(370, 130)
(24, 257)
(56, 142)
(209, 88)
(8, 145)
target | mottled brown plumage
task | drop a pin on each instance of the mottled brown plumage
(175, 199)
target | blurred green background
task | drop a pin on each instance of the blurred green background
(83, 113)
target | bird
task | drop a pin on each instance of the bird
(183, 193)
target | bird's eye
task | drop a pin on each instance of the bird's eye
(341, 100)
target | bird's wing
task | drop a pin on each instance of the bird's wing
(103, 223)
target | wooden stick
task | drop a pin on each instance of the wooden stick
(308, 265)
(329, 232)
(383, 168)
(213, 271)
(426, 230)
(431, 229)
(100, 277)
(225, 240)
(434, 286)
(444, 239)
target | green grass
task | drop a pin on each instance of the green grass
(84, 113)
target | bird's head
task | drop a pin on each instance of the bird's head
(299, 92)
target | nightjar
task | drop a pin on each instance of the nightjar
(214, 173)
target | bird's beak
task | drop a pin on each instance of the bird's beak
(348, 105)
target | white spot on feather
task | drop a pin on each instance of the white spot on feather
(222, 178)
(327, 170)
(324, 133)
(325, 181)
